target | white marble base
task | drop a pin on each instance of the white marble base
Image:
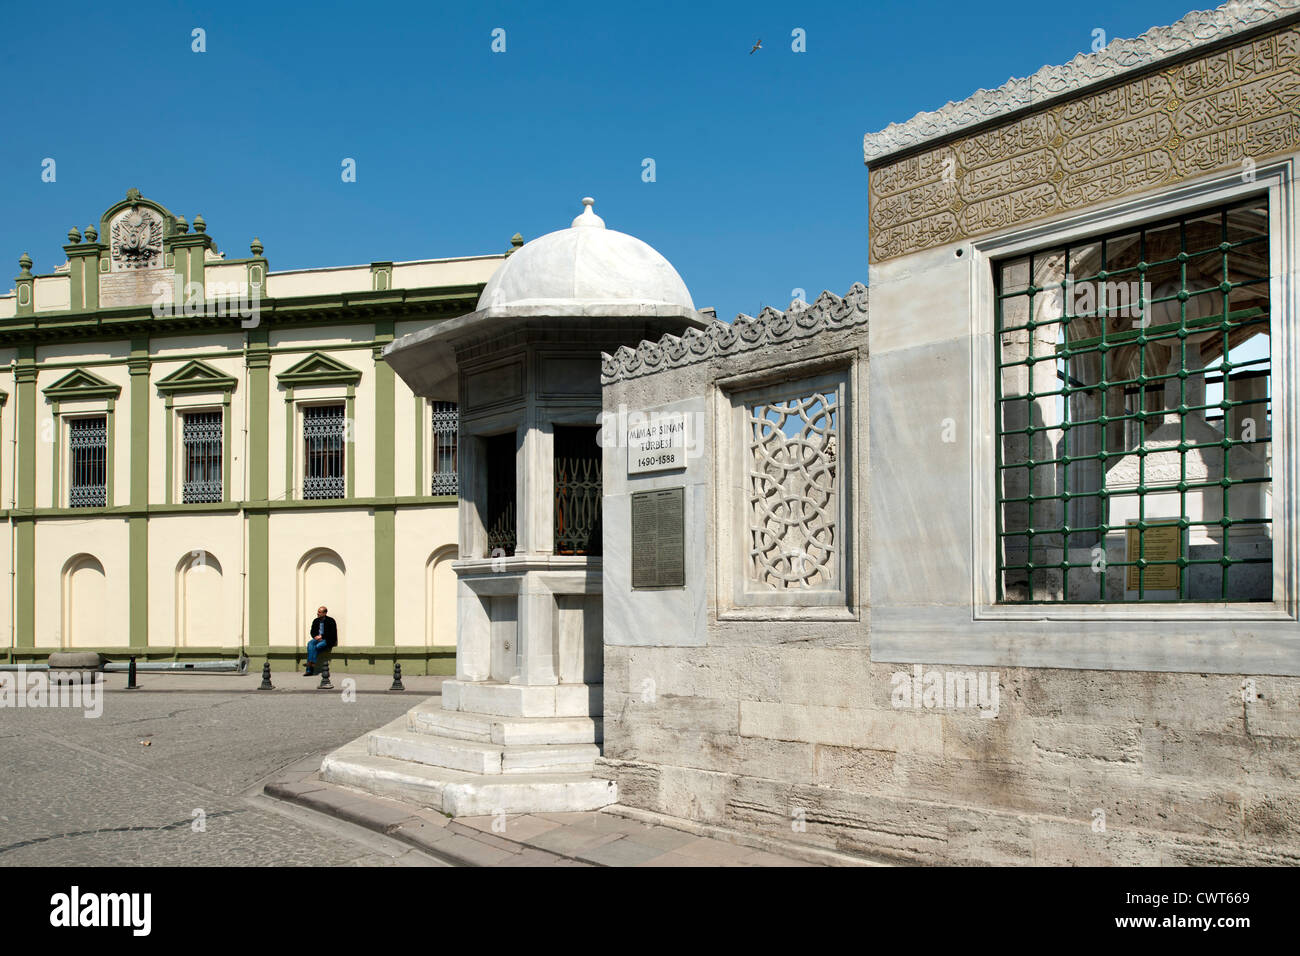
(466, 763)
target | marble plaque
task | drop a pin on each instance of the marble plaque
(657, 444)
(659, 539)
(137, 286)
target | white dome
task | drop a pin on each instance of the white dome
(583, 264)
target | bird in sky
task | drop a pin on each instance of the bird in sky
(757, 46)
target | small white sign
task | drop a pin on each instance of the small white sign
(657, 444)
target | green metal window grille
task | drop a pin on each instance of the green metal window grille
(1133, 414)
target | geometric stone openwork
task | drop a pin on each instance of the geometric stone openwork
(793, 498)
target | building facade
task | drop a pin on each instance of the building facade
(1004, 568)
(198, 451)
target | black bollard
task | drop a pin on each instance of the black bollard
(266, 677)
(325, 677)
(397, 676)
(130, 676)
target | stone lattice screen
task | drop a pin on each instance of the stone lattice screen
(793, 501)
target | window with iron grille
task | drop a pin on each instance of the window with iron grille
(446, 426)
(323, 433)
(201, 437)
(88, 447)
(1133, 390)
(499, 458)
(577, 490)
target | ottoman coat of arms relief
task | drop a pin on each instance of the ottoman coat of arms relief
(137, 238)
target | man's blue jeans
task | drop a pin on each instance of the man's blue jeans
(314, 647)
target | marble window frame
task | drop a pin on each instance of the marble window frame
(735, 393)
(1276, 181)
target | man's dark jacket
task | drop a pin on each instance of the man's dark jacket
(326, 628)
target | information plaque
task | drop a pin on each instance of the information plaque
(658, 539)
(1162, 542)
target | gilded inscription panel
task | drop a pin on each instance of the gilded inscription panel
(1188, 120)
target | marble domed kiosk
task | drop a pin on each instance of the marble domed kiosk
(518, 730)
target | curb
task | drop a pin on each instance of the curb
(426, 830)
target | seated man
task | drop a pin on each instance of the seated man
(324, 634)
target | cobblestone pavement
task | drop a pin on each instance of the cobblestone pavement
(88, 791)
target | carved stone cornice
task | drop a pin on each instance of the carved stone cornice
(719, 339)
(1233, 106)
(1197, 29)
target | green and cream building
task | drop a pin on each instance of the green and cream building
(196, 451)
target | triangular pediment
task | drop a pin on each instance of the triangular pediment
(319, 369)
(79, 384)
(196, 376)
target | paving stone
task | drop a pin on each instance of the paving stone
(471, 852)
(665, 838)
(624, 852)
(764, 858)
(715, 851)
(673, 858)
(569, 840)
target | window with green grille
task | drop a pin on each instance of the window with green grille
(1134, 415)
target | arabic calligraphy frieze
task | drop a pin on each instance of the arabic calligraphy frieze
(1194, 118)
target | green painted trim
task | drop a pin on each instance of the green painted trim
(419, 442)
(138, 572)
(290, 433)
(25, 530)
(385, 419)
(216, 354)
(385, 576)
(381, 276)
(112, 453)
(139, 371)
(259, 583)
(258, 361)
(319, 369)
(80, 385)
(196, 376)
(169, 448)
(417, 303)
(415, 661)
(225, 447)
(350, 420)
(234, 507)
(56, 473)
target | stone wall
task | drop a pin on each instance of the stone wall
(788, 727)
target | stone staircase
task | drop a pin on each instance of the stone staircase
(483, 748)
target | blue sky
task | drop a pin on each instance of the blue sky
(759, 189)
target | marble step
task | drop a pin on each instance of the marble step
(522, 700)
(472, 756)
(457, 793)
(504, 731)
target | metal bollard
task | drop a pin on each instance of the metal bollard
(266, 677)
(325, 677)
(130, 677)
(397, 676)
